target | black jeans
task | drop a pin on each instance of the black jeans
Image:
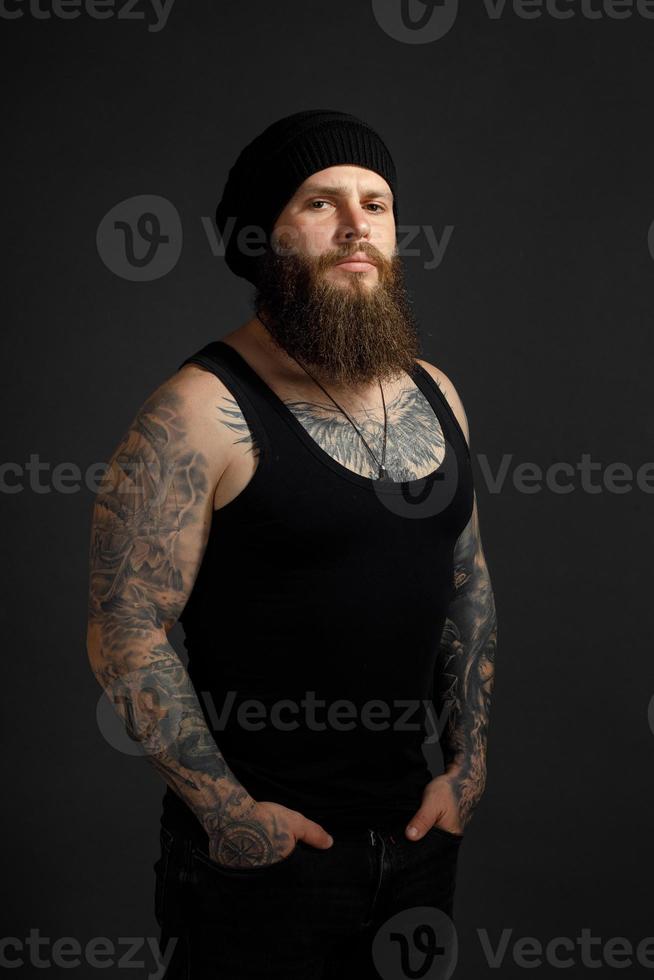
(314, 915)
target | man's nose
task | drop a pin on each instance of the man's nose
(353, 224)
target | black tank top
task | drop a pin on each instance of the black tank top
(316, 615)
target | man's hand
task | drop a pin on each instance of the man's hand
(439, 807)
(265, 834)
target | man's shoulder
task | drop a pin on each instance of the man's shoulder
(200, 381)
(450, 393)
(185, 411)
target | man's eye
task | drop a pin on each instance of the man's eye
(315, 205)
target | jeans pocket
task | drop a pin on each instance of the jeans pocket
(244, 871)
(446, 833)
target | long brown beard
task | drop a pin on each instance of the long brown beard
(348, 333)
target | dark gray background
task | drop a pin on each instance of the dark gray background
(533, 139)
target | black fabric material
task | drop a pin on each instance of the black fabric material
(269, 170)
(314, 914)
(317, 579)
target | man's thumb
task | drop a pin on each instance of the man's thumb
(419, 825)
(316, 836)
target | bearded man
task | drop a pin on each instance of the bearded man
(299, 495)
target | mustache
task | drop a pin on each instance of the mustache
(331, 258)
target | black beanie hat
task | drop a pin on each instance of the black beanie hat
(269, 170)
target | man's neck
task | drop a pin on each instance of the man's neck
(286, 367)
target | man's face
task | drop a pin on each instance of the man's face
(332, 284)
(338, 213)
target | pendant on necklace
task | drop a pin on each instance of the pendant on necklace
(383, 473)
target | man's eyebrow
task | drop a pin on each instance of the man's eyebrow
(340, 190)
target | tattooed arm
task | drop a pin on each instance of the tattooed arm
(150, 527)
(464, 671)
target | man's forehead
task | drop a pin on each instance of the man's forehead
(341, 180)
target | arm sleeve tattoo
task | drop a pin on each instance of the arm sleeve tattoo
(465, 670)
(150, 526)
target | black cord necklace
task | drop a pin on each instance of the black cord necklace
(382, 471)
